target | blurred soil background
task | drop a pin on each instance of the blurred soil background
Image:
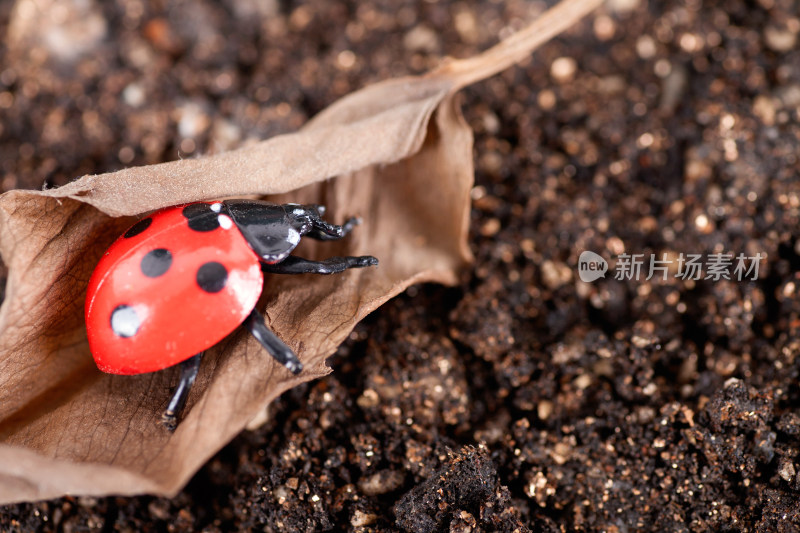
(523, 398)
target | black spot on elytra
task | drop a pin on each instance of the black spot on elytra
(156, 262)
(139, 227)
(201, 217)
(212, 277)
(124, 321)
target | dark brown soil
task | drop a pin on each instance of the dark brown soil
(522, 399)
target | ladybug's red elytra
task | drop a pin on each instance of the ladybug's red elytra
(179, 281)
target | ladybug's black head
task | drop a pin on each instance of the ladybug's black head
(305, 212)
(272, 231)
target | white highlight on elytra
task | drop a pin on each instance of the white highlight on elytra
(241, 283)
(217, 207)
(225, 221)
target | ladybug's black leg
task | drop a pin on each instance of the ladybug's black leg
(325, 231)
(189, 370)
(276, 347)
(332, 265)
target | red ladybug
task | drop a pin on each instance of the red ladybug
(180, 280)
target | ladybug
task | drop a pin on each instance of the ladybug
(179, 281)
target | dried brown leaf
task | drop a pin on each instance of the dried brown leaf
(403, 156)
